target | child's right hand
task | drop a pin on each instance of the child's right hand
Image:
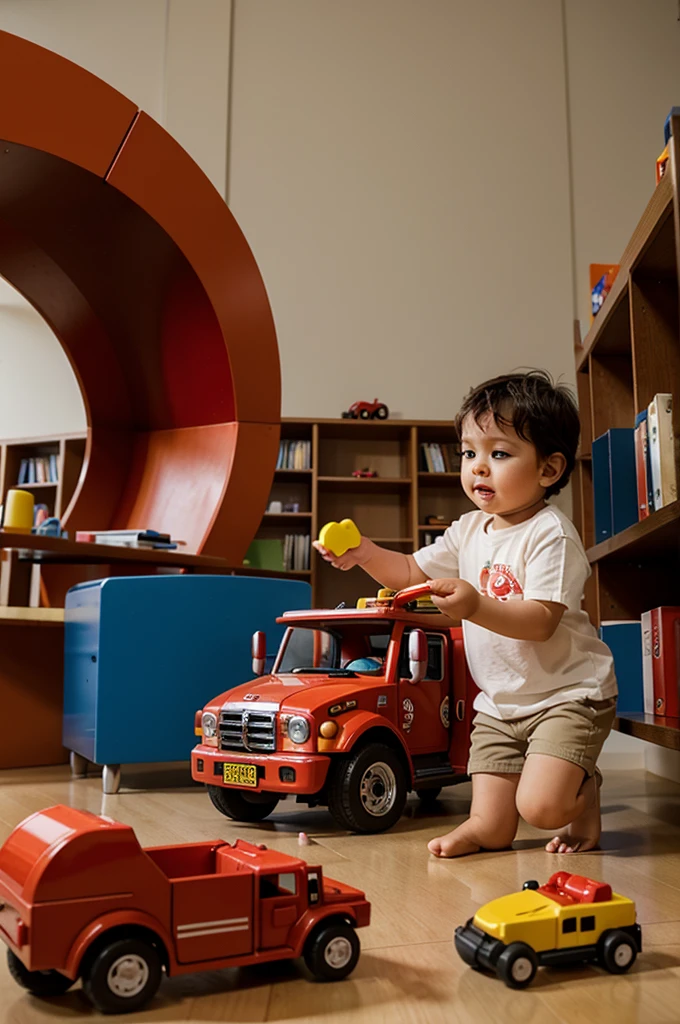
(355, 556)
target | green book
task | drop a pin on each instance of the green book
(265, 554)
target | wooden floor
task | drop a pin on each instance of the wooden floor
(409, 970)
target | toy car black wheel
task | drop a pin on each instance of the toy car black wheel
(516, 965)
(332, 951)
(241, 806)
(617, 951)
(123, 976)
(364, 414)
(367, 791)
(428, 797)
(40, 983)
(381, 412)
(530, 884)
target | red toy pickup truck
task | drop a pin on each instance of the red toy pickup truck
(79, 897)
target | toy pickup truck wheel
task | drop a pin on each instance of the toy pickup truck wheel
(516, 965)
(381, 412)
(240, 806)
(123, 976)
(331, 952)
(367, 791)
(618, 952)
(40, 983)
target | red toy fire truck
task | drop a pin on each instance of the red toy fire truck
(363, 705)
(79, 897)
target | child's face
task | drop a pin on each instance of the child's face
(500, 471)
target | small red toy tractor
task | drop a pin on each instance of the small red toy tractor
(374, 410)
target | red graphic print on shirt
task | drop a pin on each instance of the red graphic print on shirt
(498, 581)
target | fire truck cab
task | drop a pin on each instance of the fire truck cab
(79, 897)
(362, 705)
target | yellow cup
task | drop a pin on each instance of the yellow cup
(18, 511)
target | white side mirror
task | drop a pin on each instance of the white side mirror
(259, 652)
(417, 655)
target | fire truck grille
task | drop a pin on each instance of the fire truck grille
(248, 730)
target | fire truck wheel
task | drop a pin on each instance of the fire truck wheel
(123, 976)
(367, 791)
(40, 983)
(242, 806)
(332, 951)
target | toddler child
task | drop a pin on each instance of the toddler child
(513, 571)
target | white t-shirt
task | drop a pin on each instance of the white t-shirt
(540, 559)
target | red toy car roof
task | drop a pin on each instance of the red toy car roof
(569, 889)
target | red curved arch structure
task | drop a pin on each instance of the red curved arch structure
(112, 232)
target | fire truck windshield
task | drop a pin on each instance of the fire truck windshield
(344, 650)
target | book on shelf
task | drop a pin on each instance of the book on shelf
(296, 552)
(294, 455)
(647, 667)
(643, 470)
(661, 659)
(265, 553)
(438, 458)
(39, 469)
(661, 446)
(615, 493)
(129, 538)
(624, 640)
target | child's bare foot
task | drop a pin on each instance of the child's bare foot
(584, 832)
(458, 842)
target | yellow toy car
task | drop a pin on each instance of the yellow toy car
(570, 919)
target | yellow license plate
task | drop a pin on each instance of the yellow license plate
(240, 774)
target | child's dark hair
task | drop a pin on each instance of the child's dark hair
(540, 411)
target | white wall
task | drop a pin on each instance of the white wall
(423, 182)
(384, 169)
(624, 76)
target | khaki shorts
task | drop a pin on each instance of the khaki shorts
(574, 731)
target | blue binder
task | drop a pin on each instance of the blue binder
(624, 640)
(614, 482)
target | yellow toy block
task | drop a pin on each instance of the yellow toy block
(340, 537)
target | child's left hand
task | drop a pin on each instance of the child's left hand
(456, 598)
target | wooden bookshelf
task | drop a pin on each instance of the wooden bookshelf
(389, 508)
(631, 352)
(69, 450)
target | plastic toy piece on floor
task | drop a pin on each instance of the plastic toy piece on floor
(570, 919)
(340, 537)
(80, 898)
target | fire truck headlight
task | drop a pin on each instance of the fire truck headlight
(298, 729)
(209, 725)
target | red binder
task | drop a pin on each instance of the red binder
(665, 623)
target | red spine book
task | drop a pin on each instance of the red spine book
(666, 660)
(641, 468)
